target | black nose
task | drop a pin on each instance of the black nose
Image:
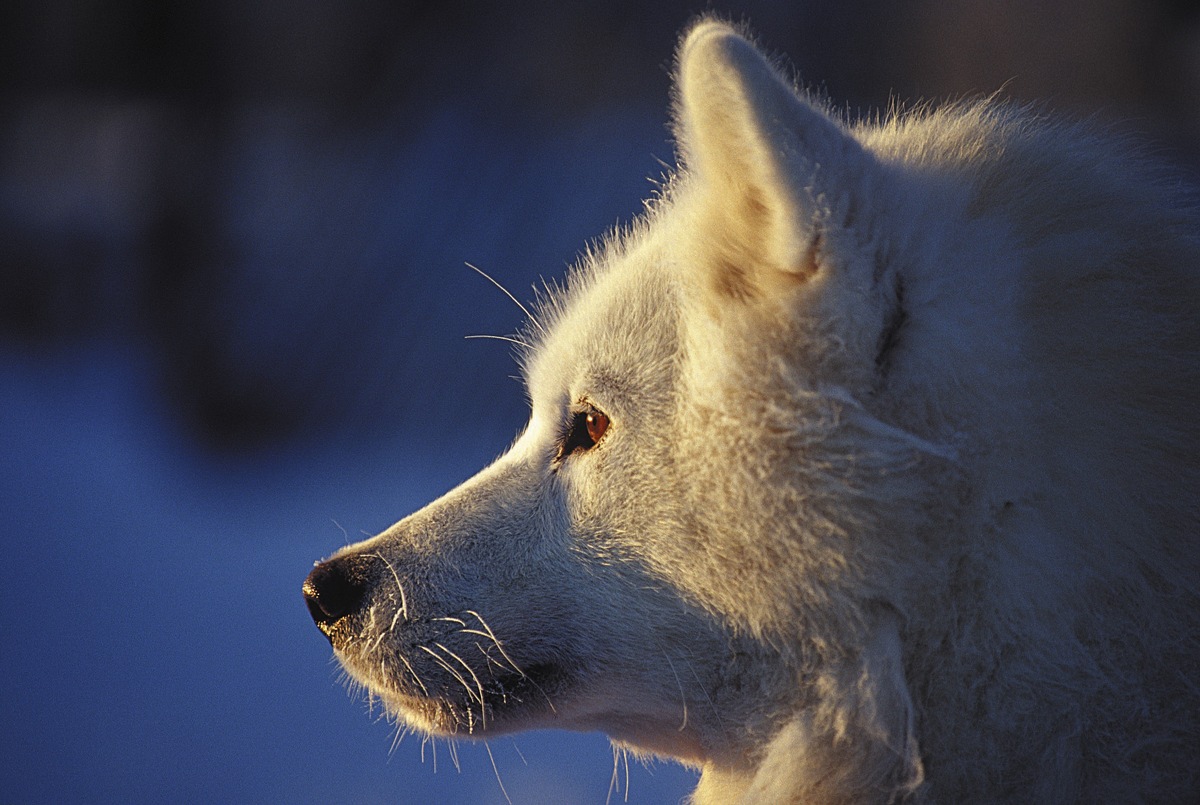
(335, 588)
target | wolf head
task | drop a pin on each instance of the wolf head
(742, 487)
(667, 553)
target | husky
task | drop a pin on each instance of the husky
(864, 467)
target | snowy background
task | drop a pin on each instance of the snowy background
(232, 307)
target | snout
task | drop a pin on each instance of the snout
(335, 589)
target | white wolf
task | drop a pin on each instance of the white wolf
(863, 468)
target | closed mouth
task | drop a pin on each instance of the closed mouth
(466, 691)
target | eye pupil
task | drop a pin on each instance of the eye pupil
(597, 424)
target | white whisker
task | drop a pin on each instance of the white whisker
(471, 671)
(402, 731)
(532, 319)
(399, 586)
(413, 673)
(625, 758)
(492, 635)
(682, 696)
(613, 779)
(450, 670)
(492, 757)
(510, 340)
(700, 685)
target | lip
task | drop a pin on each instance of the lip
(509, 701)
(429, 690)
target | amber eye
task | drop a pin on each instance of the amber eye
(597, 424)
(585, 429)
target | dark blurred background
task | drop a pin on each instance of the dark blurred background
(277, 199)
(232, 307)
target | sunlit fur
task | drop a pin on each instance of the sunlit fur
(899, 497)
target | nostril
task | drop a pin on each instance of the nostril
(335, 589)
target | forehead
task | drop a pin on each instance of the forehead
(614, 325)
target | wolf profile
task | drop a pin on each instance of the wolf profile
(864, 467)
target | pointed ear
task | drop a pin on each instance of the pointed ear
(771, 170)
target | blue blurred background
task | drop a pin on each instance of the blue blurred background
(232, 307)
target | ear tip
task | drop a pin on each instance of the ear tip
(706, 29)
(713, 41)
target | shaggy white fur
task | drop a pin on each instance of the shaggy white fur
(864, 468)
